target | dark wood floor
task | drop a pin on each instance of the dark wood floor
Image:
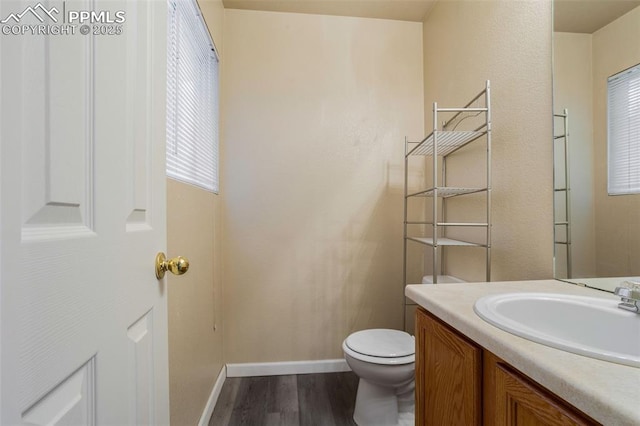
(302, 400)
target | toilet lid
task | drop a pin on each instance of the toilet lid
(382, 343)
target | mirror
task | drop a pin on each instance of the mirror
(597, 235)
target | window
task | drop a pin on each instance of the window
(192, 98)
(623, 132)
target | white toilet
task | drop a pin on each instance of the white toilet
(385, 362)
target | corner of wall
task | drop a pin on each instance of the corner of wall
(213, 13)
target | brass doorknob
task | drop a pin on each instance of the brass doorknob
(177, 266)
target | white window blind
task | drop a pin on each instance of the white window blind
(192, 98)
(623, 132)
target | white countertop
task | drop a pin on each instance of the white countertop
(608, 392)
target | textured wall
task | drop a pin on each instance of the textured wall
(615, 48)
(573, 89)
(509, 43)
(194, 299)
(315, 113)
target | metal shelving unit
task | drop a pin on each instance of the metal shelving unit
(561, 184)
(439, 145)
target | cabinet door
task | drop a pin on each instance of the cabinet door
(448, 375)
(518, 402)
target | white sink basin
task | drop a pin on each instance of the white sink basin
(588, 326)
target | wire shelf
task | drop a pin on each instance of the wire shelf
(448, 138)
(448, 141)
(447, 192)
(444, 242)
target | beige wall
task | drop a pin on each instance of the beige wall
(195, 299)
(316, 110)
(213, 13)
(509, 43)
(573, 90)
(615, 48)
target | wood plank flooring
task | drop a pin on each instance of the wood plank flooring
(298, 400)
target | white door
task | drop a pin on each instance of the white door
(82, 190)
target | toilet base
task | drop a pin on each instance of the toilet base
(383, 406)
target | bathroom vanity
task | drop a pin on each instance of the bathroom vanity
(471, 372)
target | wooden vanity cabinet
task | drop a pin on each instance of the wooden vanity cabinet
(448, 375)
(460, 383)
(510, 398)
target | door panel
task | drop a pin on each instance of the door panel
(82, 213)
(138, 137)
(72, 402)
(57, 162)
(141, 371)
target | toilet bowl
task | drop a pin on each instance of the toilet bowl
(384, 360)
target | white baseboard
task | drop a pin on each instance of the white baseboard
(284, 368)
(213, 398)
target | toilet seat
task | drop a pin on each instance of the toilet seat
(381, 346)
